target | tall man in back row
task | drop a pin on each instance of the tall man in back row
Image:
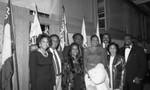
(77, 38)
(135, 60)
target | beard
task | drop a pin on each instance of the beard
(127, 43)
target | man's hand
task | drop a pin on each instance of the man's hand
(55, 88)
(136, 80)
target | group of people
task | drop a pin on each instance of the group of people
(102, 66)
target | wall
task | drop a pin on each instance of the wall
(123, 17)
(75, 11)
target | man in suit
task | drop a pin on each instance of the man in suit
(135, 60)
(106, 39)
(57, 60)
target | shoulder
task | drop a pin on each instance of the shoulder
(122, 48)
(50, 53)
(120, 57)
(66, 47)
(86, 49)
(34, 53)
(100, 45)
(101, 49)
(138, 48)
(60, 53)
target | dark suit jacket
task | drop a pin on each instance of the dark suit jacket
(136, 63)
(61, 58)
(65, 52)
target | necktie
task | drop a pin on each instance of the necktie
(56, 63)
(106, 46)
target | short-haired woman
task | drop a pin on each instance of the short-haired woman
(116, 67)
(42, 73)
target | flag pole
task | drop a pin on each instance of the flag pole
(14, 48)
(63, 8)
(66, 30)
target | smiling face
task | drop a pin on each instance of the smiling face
(128, 40)
(74, 50)
(94, 42)
(44, 43)
(55, 42)
(113, 49)
(106, 39)
(78, 39)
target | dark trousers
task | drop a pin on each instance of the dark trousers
(132, 86)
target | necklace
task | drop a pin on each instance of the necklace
(44, 53)
(92, 49)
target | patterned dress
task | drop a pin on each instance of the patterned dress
(74, 74)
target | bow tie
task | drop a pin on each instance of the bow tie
(128, 47)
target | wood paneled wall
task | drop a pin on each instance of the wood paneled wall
(122, 18)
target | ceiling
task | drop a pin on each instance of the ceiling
(144, 5)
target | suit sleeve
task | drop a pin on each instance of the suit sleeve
(32, 67)
(85, 59)
(104, 57)
(121, 51)
(65, 52)
(142, 63)
(52, 69)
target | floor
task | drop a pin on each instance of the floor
(147, 86)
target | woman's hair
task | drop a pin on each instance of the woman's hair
(40, 37)
(96, 37)
(70, 50)
(116, 45)
(93, 37)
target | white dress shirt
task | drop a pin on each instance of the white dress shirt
(58, 58)
(110, 68)
(104, 45)
(127, 52)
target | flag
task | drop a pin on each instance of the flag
(64, 40)
(83, 32)
(35, 29)
(97, 32)
(8, 49)
(46, 31)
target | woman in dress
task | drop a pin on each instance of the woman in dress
(95, 61)
(75, 70)
(42, 73)
(116, 67)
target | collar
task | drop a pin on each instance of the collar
(105, 44)
(52, 50)
(129, 47)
